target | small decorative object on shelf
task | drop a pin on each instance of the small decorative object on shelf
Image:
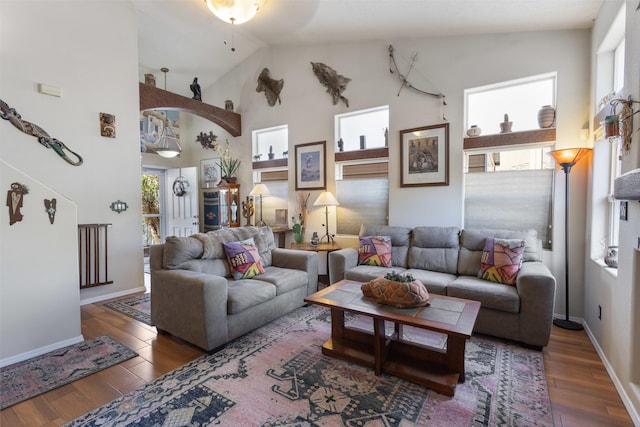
(505, 126)
(398, 290)
(363, 142)
(612, 257)
(474, 130)
(298, 228)
(340, 145)
(228, 105)
(150, 79)
(314, 239)
(546, 117)
(271, 153)
(195, 88)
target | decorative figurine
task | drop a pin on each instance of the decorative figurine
(270, 87)
(15, 197)
(228, 105)
(505, 126)
(50, 206)
(248, 210)
(334, 82)
(195, 88)
(340, 145)
(150, 79)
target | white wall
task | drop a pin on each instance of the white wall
(448, 65)
(616, 335)
(88, 49)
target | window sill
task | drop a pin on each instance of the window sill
(613, 272)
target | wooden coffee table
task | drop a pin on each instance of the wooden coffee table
(439, 368)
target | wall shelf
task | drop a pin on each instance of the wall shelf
(275, 163)
(371, 153)
(510, 139)
(152, 98)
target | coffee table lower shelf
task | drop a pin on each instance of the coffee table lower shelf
(414, 362)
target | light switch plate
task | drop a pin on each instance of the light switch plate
(49, 90)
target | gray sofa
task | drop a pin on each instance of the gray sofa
(195, 298)
(447, 261)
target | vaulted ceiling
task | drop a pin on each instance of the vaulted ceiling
(185, 37)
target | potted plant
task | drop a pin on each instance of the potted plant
(298, 229)
(228, 165)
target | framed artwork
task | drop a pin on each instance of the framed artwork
(424, 156)
(108, 125)
(210, 173)
(282, 218)
(311, 165)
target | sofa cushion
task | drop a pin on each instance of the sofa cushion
(435, 249)
(244, 259)
(284, 279)
(364, 273)
(246, 293)
(472, 243)
(501, 260)
(213, 241)
(180, 250)
(491, 295)
(400, 239)
(435, 282)
(375, 250)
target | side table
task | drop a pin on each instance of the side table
(320, 247)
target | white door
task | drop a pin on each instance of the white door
(182, 202)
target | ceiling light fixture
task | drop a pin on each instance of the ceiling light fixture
(234, 11)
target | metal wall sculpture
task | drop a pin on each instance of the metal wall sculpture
(334, 82)
(270, 87)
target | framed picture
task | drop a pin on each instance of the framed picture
(282, 218)
(210, 173)
(311, 165)
(424, 156)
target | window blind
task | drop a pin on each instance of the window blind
(515, 200)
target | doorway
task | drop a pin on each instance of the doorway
(153, 185)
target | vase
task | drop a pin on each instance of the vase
(546, 116)
(474, 130)
(612, 257)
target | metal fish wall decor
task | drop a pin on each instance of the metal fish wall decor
(270, 87)
(334, 82)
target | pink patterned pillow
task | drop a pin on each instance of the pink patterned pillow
(375, 250)
(501, 260)
(244, 259)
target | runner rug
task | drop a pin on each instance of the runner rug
(24, 380)
(277, 376)
(138, 307)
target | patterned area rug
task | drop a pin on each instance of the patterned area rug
(138, 307)
(277, 376)
(24, 380)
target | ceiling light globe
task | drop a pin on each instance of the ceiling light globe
(234, 11)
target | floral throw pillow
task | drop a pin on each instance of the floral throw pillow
(244, 259)
(501, 260)
(375, 250)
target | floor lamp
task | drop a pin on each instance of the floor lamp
(326, 199)
(260, 190)
(566, 158)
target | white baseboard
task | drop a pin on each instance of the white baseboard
(39, 351)
(633, 413)
(113, 295)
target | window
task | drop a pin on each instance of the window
(275, 140)
(362, 185)
(372, 124)
(510, 187)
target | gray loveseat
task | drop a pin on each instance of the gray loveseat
(195, 298)
(447, 261)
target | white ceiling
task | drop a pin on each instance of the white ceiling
(184, 36)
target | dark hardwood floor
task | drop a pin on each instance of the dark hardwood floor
(581, 392)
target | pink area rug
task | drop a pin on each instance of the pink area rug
(24, 380)
(277, 376)
(138, 307)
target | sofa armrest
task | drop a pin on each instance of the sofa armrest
(191, 306)
(537, 289)
(341, 261)
(299, 260)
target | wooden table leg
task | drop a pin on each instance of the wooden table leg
(378, 344)
(455, 355)
(337, 323)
